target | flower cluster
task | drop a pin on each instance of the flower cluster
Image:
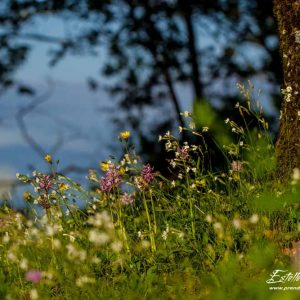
(236, 166)
(45, 182)
(146, 177)
(33, 276)
(183, 153)
(287, 92)
(127, 199)
(112, 179)
(147, 173)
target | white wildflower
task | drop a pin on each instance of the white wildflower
(82, 280)
(185, 114)
(56, 244)
(116, 246)
(208, 218)
(236, 223)
(296, 176)
(6, 238)
(165, 233)
(218, 226)
(33, 294)
(98, 238)
(254, 219)
(192, 125)
(24, 264)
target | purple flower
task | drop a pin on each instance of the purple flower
(127, 199)
(146, 177)
(33, 276)
(112, 179)
(45, 182)
(236, 166)
(147, 173)
(183, 153)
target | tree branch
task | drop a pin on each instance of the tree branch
(20, 118)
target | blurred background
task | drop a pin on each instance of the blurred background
(73, 73)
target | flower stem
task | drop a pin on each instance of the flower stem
(153, 212)
(123, 230)
(152, 239)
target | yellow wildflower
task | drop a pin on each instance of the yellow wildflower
(27, 196)
(122, 170)
(125, 135)
(104, 166)
(201, 182)
(63, 186)
(48, 158)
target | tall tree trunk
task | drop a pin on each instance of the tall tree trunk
(174, 98)
(188, 15)
(287, 13)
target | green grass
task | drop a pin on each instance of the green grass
(199, 234)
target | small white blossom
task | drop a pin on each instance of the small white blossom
(296, 175)
(173, 163)
(254, 219)
(82, 280)
(116, 246)
(24, 264)
(140, 235)
(288, 98)
(218, 226)
(185, 114)
(98, 238)
(6, 238)
(192, 125)
(297, 37)
(56, 244)
(208, 218)
(289, 89)
(165, 233)
(33, 294)
(236, 223)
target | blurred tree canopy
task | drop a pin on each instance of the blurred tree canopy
(152, 47)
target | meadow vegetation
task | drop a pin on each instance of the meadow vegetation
(199, 233)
